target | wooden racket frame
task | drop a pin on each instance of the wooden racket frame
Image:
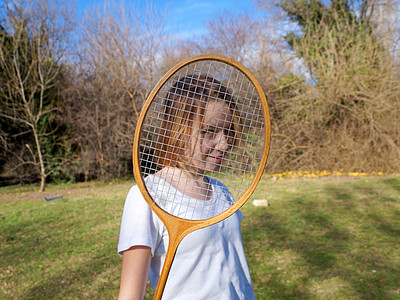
(178, 228)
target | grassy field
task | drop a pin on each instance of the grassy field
(326, 238)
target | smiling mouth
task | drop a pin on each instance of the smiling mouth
(216, 159)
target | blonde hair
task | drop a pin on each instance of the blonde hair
(184, 108)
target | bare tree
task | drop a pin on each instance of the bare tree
(31, 52)
(122, 54)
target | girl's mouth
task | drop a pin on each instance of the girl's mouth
(216, 159)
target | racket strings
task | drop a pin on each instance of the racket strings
(202, 104)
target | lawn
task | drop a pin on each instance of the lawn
(325, 238)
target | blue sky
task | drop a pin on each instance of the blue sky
(186, 18)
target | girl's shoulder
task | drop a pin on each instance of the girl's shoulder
(227, 195)
(218, 185)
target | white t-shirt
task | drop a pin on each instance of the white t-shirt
(178, 204)
(209, 263)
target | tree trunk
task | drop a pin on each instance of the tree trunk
(42, 170)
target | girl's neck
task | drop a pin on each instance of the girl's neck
(192, 185)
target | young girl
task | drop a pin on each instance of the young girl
(199, 126)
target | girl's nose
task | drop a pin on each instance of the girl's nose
(222, 142)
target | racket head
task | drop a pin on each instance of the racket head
(220, 94)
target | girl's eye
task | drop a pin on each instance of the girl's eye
(210, 134)
(210, 131)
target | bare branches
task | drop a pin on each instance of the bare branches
(121, 56)
(127, 45)
(32, 46)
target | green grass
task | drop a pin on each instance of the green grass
(327, 238)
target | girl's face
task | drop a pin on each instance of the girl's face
(210, 141)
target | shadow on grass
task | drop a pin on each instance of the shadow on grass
(386, 226)
(393, 183)
(23, 240)
(38, 241)
(327, 240)
(70, 282)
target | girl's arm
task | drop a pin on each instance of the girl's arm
(135, 272)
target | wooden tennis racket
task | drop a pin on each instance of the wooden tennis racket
(205, 124)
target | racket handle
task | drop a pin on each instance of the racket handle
(165, 271)
(176, 233)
